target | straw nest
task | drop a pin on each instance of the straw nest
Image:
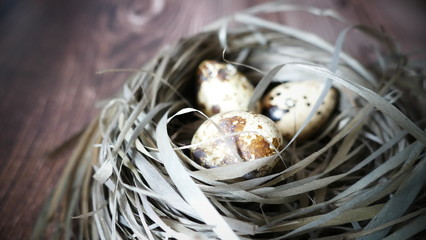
(361, 177)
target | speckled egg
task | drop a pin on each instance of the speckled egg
(222, 88)
(289, 105)
(259, 137)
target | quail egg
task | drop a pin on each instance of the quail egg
(245, 136)
(222, 88)
(289, 105)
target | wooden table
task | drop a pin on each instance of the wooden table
(50, 51)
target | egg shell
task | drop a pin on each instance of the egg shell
(289, 105)
(222, 88)
(261, 138)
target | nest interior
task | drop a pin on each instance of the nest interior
(361, 176)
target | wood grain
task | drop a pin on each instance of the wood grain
(50, 51)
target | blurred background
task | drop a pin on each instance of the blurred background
(50, 51)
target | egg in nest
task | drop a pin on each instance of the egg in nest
(236, 136)
(222, 88)
(290, 103)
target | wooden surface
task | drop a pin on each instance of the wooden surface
(50, 51)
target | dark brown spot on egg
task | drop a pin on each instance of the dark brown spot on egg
(308, 104)
(233, 124)
(223, 75)
(277, 144)
(258, 147)
(199, 155)
(319, 113)
(259, 126)
(215, 109)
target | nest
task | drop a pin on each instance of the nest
(361, 177)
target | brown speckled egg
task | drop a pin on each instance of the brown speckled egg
(289, 104)
(261, 138)
(221, 88)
